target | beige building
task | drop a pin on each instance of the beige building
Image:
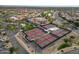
(17, 17)
(39, 20)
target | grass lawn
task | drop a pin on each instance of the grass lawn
(62, 46)
(27, 26)
(1, 20)
(9, 20)
(11, 27)
(1, 27)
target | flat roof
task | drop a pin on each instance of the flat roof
(55, 30)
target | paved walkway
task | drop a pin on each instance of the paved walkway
(22, 43)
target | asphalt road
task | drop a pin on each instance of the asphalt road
(13, 40)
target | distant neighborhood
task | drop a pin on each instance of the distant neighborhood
(39, 31)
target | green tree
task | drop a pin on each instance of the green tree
(2, 20)
(76, 24)
(27, 26)
(12, 50)
(7, 41)
(11, 27)
(66, 40)
(62, 46)
(50, 20)
(1, 27)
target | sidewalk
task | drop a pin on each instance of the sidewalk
(22, 43)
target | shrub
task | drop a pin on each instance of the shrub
(12, 50)
(66, 40)
(1, 27)
(64, 45)
(27, 26)
(76, 24)
(11, 27)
